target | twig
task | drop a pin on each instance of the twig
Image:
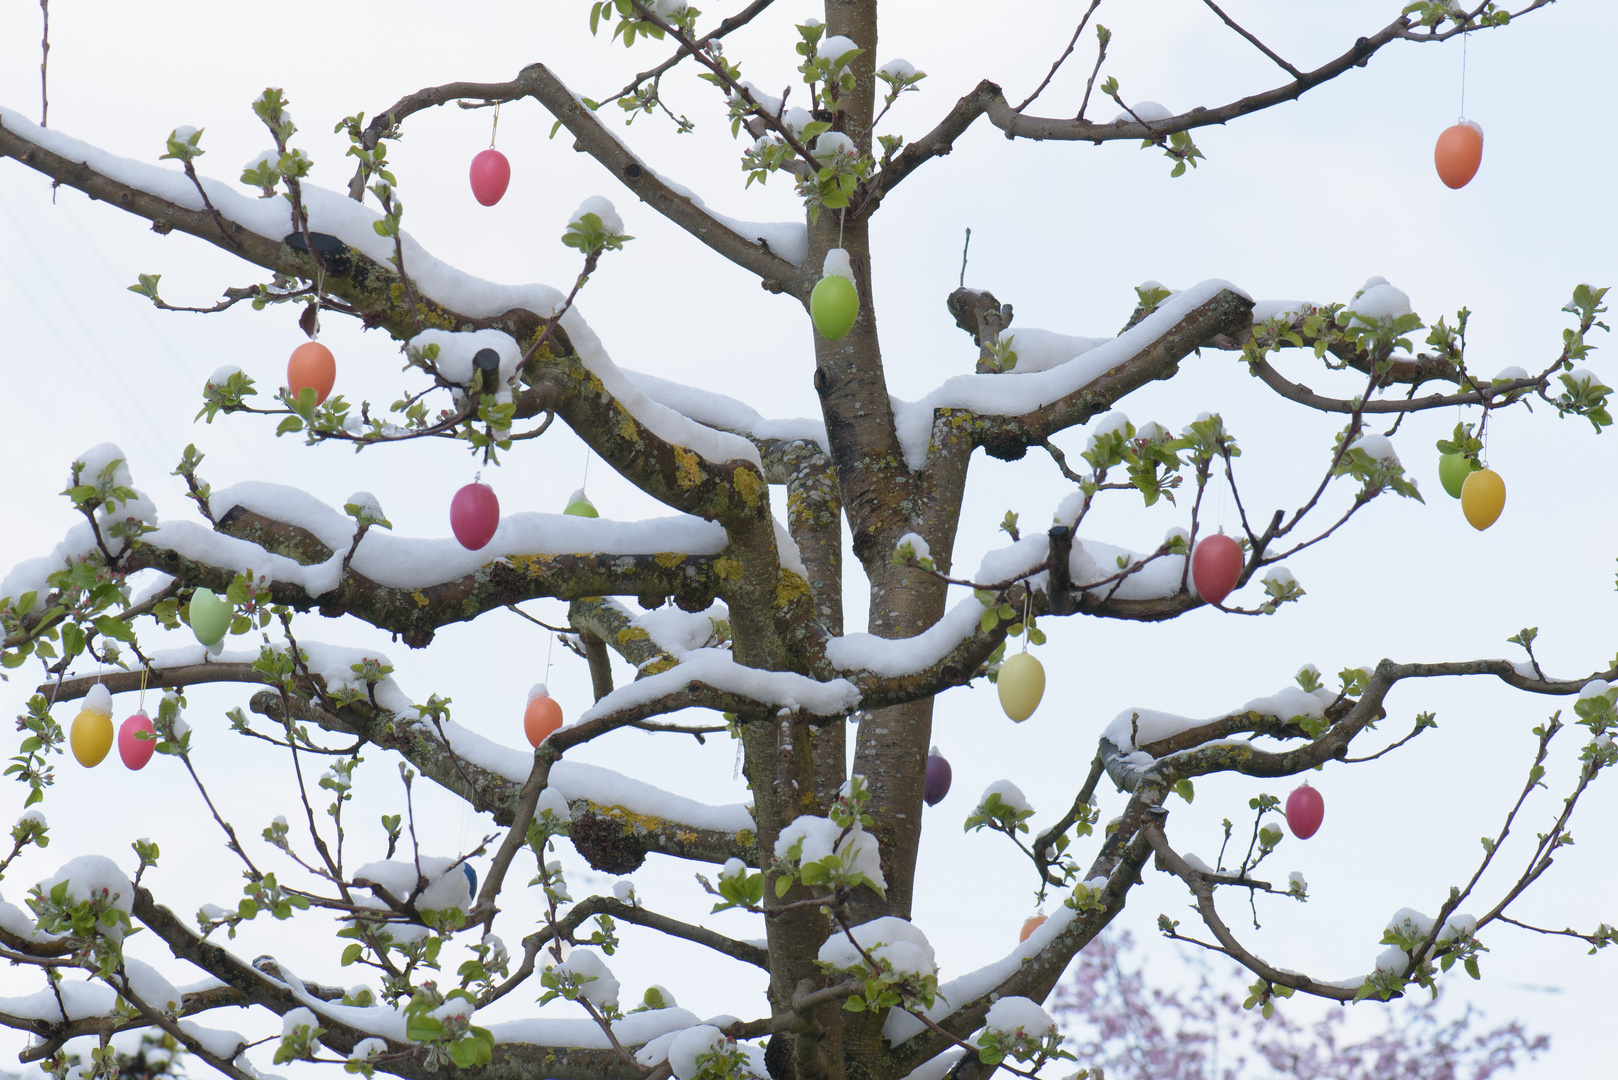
(44, 58)
(1286, 67)
(1063, 58)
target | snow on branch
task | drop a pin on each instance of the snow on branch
(1010, 411)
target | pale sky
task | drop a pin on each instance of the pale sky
(1304, 202)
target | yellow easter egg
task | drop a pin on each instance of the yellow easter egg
(1483, 496)
(1021, 685)
(91, 737)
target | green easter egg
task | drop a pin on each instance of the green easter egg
(581, 507)
(834, 305)
(210, 617)
(1453, 470)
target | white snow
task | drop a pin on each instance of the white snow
(834, 48)
(1148, 111)
(837, 264)
(150, 986)
(601, 207)
(897, 68)
(819, 837)
(1152, 725)
(833, 144)
(216, 1041)
(457, 348)
(1376, 446)
(997, 395)
(718, 668)
(96, 876)
(1379, 300)
(1014, 1015)
(447, 886)
(98, 700)
(1010, 795)
(894, 940)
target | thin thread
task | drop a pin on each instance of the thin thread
(1465, 33)
(494, 126)
(549, 652)
(1027, 602)
(586, 467)
(842, 216)
(144, 671)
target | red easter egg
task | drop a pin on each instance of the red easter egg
(474, 514)
(542, 716)
(1305, 809)
(1034, 923)
(136, 752)
(491, 172)
(1216, 565)
(312, 365)
(1458, 154)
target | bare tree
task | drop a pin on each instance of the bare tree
(825, 853)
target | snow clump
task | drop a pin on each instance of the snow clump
(835, 48)
(1379, 300)
(897, 69)
(595, 981)
(1010, 795)
(896, 941)
(601, 207)
(1014, 1016)
(95, 877)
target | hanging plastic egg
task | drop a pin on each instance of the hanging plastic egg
(91, 737)
(1483, 496)
(1305, 809)
(1453, 469)
(542, 716)
(474, 515)
(491, 174)
(312, 367)
(835, 303)
(579, 505)
(1021, 684)
(210, 617)
(471, 880)
(936, 786)
(136, 751)
(1458, 153)
(1216, 566)
(1034, 923)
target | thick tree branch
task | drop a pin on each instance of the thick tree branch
(592, 137)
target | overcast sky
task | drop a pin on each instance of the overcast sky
(1304, 202)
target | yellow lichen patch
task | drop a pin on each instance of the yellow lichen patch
(727, 568)
(627, 430)
(531, 564)
(791, 587)
(687, 468)
(749, 485)
(661, 664)
(632, 633)
(668, 560)
(419, 597)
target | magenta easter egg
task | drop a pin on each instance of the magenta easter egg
(474, 514)
(1216, 565)
(491, 173)
(939, 775)
(1305, 810)
(136, 751)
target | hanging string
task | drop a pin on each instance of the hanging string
(586, 467)
(842, 216)
(144, 671)
(494, 127)
(1027, 602)
(1466, 32)
(548, 653)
